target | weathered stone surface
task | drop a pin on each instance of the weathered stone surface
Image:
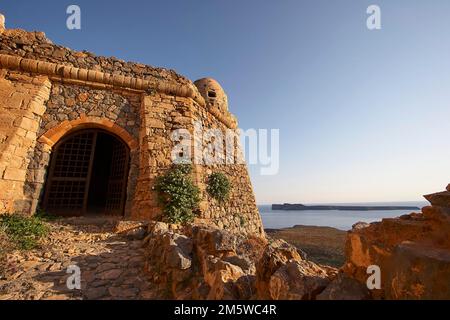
(275, 255)
(412, 252)
(297, 280)
(112, 266)
(440, 199)
(168, 258)
(221, 277)
(201, 262)
(22, 102)
(243, 262)
(344, 288)
(419, 271)
(213, 93)
(214, 241)
(282, 273)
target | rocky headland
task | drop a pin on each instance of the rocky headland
(302, 207)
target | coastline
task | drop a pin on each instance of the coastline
(302, 207)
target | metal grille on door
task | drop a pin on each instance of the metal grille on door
(117, 179)
(70, 173)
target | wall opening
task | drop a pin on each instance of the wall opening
(87, 175)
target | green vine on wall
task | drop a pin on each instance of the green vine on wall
(177, 194)
(219, 186)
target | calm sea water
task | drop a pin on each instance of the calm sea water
(342, 220)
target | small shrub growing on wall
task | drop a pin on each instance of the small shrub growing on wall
(177, 194)
(218, 186)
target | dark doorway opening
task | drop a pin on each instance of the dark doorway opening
(88, 175)
(101, 168)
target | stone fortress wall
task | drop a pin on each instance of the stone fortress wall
(49, 91)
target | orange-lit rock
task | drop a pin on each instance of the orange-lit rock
(412, 252)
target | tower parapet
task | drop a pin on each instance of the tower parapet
(2, 23)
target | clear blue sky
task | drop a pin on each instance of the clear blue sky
(363, 115)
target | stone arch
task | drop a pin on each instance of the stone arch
(53, 135)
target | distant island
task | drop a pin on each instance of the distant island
(289, 206)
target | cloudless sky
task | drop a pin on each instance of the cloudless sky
(363, 115)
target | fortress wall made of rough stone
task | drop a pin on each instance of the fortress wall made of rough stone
(239, 212)
(48, 91)
(22, 104)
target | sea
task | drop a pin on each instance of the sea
(339, 219)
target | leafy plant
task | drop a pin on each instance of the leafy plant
(219, 186)
(177, 194)
(23, 231)
(44, 215)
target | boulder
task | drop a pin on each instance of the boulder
(411, 251)
(297, 280)
(169, 260)
(419, 271)
(215, 241)
(198, 262)
(221, 278)
(344, 288)
(276, 254)
(203, 262)
(440, 199)
(243, 262)
(176, 250)
(245, 287)
(439, 215)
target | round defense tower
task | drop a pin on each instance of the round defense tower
(213, 93)
(2, 22)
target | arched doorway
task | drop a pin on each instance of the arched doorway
(87, 175)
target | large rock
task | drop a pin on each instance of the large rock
(221, 277)
(344, 288)
(282, 273)
(169, 259)
(440, 199)
(419, 271)
(216, 241)
(201, 262)
(243, 262)
(297, 280)
(412, 252)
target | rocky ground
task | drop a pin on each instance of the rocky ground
(200, 261)
(323, 245)
(111, 265)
